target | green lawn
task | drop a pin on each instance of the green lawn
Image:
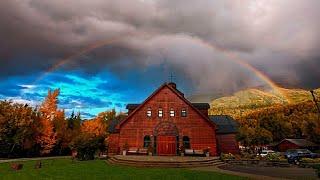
(98, 169)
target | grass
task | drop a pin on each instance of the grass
(98, 169)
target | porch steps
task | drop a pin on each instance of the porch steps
(165, 162)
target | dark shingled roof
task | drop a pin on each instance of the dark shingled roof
(300, 142)
(132, 106)
(201, 105)
(225, 124)
(112, 126)
(196, 105)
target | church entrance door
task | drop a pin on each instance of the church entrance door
(166, 145)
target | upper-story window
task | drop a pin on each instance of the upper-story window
(160, 112)
(184, 113)
(149, 112)
(171, 112)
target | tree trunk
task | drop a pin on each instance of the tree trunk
(12, 149)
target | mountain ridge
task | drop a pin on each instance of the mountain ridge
(247, 101)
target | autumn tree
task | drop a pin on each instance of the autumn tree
(93, 134)
(17, 122)
(47, 137)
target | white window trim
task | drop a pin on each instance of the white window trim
(172, 113)
(160, 112)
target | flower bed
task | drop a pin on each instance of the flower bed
(250, 160)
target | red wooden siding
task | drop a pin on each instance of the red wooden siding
(285, 145)
(200, 131)
(113, 143)
(227, 143)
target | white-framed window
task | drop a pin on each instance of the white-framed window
(160, 112)
(171, 112)
(184, 112)
(149, 112)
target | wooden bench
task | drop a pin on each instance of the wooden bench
(193, 152)
(143, 151)
(133, 151)
(137, 151)
(199, 152)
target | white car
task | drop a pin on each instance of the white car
(265, 153)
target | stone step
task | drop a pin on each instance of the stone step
(173, 164)
(182, 164)
(168, 165)
(158, 161)
(199, 162)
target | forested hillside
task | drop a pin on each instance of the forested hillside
(247, 101)
(266, 117)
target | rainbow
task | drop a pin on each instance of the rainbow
(277, 90)
(71, 57)
(230, 55)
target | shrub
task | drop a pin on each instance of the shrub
(246, 155)
(206, 150)
(228, 156)
(310, 160)
(150, 149)
(86, 146)
(126, 146)
(273, 157)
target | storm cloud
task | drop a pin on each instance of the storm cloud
(280, 38)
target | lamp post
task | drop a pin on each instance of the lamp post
(316, 103)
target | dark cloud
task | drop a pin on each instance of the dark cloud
(281, 38)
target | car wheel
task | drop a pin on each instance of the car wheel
(296, 162)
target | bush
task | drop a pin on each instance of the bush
(246, 155)
(86, 146)
(228, 156)
(310, 160)
(273, 157)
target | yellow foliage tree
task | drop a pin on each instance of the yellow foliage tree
(49, 111)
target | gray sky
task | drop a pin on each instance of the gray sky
(278, 37)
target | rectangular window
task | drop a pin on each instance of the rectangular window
(149, 112)
(171, 112)
(184, 113)
(160, 113)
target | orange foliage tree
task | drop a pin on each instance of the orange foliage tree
(47, 137)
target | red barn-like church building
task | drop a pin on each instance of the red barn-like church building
(166, 120)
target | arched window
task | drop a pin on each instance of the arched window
(186, 142)
(146, 141)
(171, 113)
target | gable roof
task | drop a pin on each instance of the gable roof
(225, 124)
(300, 142)
(178, 93)
(199, 106)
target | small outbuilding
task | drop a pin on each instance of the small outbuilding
(227, 129)
(286, 144)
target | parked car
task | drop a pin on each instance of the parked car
(294, 155)
(264, 153)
